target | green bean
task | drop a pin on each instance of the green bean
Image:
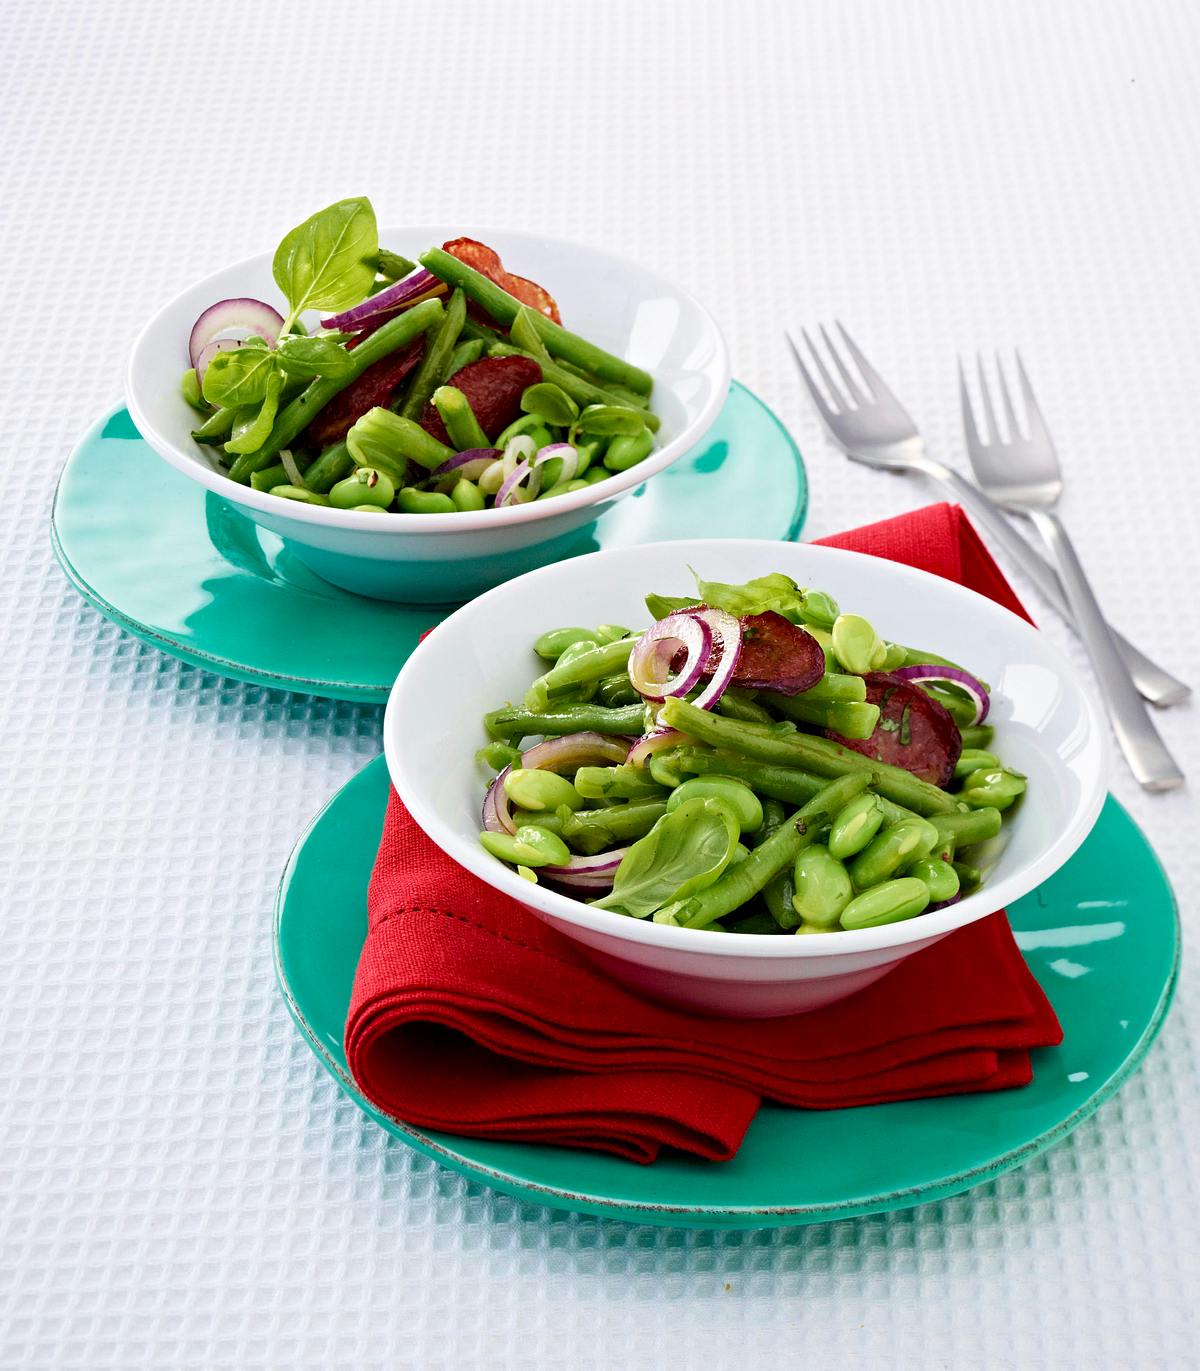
(523, 332)
(893, 848)
(744, 803)
(964, 829)
(741, 704)
(994, 789)
(435, 364)
(938, 875)
(777, 896)
(849, 718)
(380, 436)
(563, 719)
(617, 690)
(822, 887)
(854, 827)
(279, 475)
(365, 486)
(977, 735)
(820, 755)
(973, 759)
(555, 641)
(532, 788)
(413, 501)
(581, 391)
(464, 354)
(299, 494)
(296, 417)
(459, 418)
(613, 633)
(496, 756)
(760, 921)
(559, 342)
(834, 688)
(617, 783)
(592, 665)
(332, 466)
(856, 644)
(903, 898)
(662, 766)
(390, 265)
(216, 427)
(593, 830)
(969, 877)
(627, 450)
(739, 883)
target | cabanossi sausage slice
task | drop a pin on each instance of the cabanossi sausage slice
(914, 730)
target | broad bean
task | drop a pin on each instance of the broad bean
(903, 898)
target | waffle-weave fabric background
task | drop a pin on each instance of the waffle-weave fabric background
(180, 1183)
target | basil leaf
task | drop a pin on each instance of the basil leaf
(319, 264)
(304, 357)
(252, 426)
(662, 605)
(684, 852)
(239, 377)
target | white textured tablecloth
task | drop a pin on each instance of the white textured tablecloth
(180, 1184)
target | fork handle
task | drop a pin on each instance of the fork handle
(1157, 685)
(1144, 750)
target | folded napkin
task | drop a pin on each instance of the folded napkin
(471, 1016)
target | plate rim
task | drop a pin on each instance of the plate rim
(323, 688)
(638, 1211)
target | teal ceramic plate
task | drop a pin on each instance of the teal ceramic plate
(188, 573)
(1102, 937)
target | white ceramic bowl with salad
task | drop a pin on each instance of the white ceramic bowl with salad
(1046, 728)
(632, 313)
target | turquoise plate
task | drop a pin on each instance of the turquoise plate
(188, 573)
(1102, 937)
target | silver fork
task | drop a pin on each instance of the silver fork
(1023, 474)
(877, 431)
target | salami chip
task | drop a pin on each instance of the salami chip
(373, 387)
(778, 655)
(914, 730)
(486, 261)
(494, 386)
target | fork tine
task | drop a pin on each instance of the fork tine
(844, 371)
(839, 400)
(1033, 415)
(1010, 414)
(989, 414)
(873, 379)
(968, 413)
(823, 409)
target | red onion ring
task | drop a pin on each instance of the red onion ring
(574, 750)
(587, 873)
(242, 313)
(566, 451)
(209, 351)
(497, 816)
(951, 675)
(650, 661)
(652, 743)
(726, 632)
(485, 455)
(391, 297)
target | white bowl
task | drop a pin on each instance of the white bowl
(438, 558)
(480, 657)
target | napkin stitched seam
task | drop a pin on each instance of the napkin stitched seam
(472, 923)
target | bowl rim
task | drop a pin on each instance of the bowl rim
(461, 521)
(763, 945)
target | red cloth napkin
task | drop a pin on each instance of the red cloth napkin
(471, 1016)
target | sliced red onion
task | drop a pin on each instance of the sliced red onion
(951, 675)
(568, 453)
(209, 351)
(391, 297)
(574, 750)
(726, 631)
(942, 904)
(652, 743)
(472, 456)
(587, 873)
(497, 815)
(243, 315)
(511, 487)
(288, 462)
(650, 661)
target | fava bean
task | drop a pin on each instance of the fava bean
(529, 846)
(939, 876)
(593, 830)
(973, 759)
(617, 783)
(492, 477)
(856, 644)
(300, 495)
(466, 495)
(381, 436)
(365, 486)
(822, 887)
(627, 450)
(413, 501)
(737, 795)
(969, 877)
(496, 756)
(535, 789)
(903, 898)
(977, 735)
(854, 827)
(617, 690)
(888, 851)
(997, 789)
(555, 641)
